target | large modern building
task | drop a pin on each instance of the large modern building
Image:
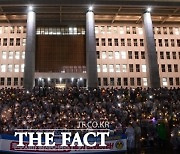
(106, 43)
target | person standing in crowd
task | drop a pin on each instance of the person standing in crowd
(162, 134)
(130, 137)
(137, 129)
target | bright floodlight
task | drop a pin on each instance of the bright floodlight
(30, 8)
(80, 79)
(149, 9)
(90, 8)
(49, 79)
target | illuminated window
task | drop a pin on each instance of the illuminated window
(23, 55)
(110, 54)
(115, 29)
(10, 55)
(19, 29)
(143, 68)
(118, 68)
(164, 80)
(1, 30)
(54, 31)
(108, 29)
(140, 31)
(127, 30)
(124, 68)
(104, 55)
(117, 55)
(3, 68)
(123, 54)
(111, 68)
(104, 68)
(12, 29)
(24, 41)
(96, 29)
(98, 68)
(102, 29)
(9, 69)
(165, 30)
(121, 30)
(17, 55)
(16, 68)
(144, 81)
(6, 29)
(4, 55)
(38, 31)
(177, 31)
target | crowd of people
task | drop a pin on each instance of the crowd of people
(145, 115)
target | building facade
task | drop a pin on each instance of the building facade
(121, 58)
(118, 44)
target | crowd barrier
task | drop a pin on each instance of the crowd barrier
(8, 143)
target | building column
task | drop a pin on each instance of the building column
(151, 57)
(91, 58)
(29, 69)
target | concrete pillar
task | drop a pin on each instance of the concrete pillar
(29, 69)
(151, 58)
(91, 60)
